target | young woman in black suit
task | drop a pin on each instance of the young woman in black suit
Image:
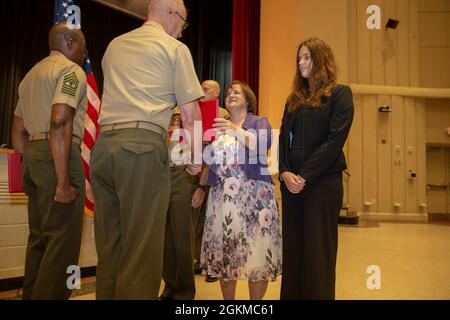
(317, 118)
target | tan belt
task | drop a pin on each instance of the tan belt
(135, 124)
(46, 136)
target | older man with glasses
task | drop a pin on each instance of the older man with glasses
(147, 72)
(186, 24)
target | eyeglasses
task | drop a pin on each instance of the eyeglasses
(186, 24)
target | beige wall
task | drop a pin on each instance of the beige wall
(382, 148)
(434, 43)
(386, 56)
(284, 24)
(437, 121)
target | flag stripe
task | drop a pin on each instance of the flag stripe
(86, 169)
(88, 140)
(89, 194)
(91, 127)
(91, 134)
(92, 94)
(85, 155)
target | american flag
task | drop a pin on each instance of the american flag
(67, 11)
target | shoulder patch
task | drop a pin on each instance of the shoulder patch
(70, 84)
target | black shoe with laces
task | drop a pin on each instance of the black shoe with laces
(211, 279)
(197, 269)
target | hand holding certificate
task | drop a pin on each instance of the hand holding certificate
(210, 111)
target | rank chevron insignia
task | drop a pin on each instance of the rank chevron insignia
(70, 84)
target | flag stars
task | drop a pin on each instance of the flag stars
(66, 15)
(65, 5)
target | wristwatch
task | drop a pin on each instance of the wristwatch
(202, 187)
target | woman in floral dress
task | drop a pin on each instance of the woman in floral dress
(242, 233)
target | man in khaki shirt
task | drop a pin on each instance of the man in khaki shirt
(177, 272)
(186, 199)
(147, 72)
(211, 89)
(48, 129)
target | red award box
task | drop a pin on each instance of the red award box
(15, 172)
(210, 111)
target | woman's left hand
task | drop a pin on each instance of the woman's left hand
(224, 124)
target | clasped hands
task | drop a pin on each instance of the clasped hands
(193, 169)
(294, 183)
(222, 125)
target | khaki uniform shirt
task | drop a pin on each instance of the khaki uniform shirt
(147, 73)
(55, 79)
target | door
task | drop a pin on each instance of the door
(438, 195)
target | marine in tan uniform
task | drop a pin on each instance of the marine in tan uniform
(186, 216)
(147, 72)
(211, 89)
(48, 129)
(178, 246)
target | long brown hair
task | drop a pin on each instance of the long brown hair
(322, 76)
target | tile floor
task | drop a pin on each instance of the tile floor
(413, 260)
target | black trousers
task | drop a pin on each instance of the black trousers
(310, 239)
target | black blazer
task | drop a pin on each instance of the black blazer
(317, 147)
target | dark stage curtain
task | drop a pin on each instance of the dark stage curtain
(24, 27)
(245, 43)
(209, 38)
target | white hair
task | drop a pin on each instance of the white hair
(155, 6)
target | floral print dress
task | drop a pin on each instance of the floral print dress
(242, 232)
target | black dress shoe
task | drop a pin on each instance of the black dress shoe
(211, 279)
(198, 270)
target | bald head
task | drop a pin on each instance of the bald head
(211, 89)
(68, 40)
(170, 14)
(156, 5)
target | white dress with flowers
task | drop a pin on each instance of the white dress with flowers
(242, 232)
